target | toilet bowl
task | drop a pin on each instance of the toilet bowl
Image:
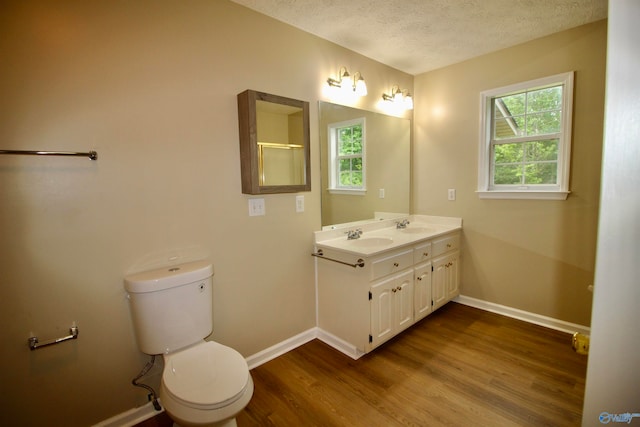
(204, 383)
(207, 384)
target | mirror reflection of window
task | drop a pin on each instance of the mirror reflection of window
(387, 158)
(347, 156)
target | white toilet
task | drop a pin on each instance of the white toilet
(203, 383)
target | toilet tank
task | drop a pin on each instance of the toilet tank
(171, 307)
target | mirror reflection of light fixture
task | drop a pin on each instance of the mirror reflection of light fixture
(349, 84)
(399, 97)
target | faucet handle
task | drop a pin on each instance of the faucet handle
(403, 223)
(354, 234)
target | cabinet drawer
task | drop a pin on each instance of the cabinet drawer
(392, 263)
(445, 244)
(422, 252)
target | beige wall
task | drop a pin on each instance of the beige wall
(150, 85)
(536, 256)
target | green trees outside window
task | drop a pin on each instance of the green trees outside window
(350, 156)
(525, 142)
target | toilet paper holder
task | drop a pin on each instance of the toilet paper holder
(35, 344)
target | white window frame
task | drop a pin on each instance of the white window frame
(334, 180)
(560, 191)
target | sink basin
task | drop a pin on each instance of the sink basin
(366, 242)
(416, 230)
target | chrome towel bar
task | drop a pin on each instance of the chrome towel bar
(320, 254)
(93, 155)
(34, 343)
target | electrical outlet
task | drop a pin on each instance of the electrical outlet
(451, 194)
(256, 207)
(580, 343)
(300, 203)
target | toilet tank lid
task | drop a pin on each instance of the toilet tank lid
(168, 277)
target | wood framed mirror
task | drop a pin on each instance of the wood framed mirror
(274, 143)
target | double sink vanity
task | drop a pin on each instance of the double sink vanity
(376, 278)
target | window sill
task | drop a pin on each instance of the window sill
(348, 192)
(521, 195)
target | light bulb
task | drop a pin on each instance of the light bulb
(361, 87)
(408, 102)
(346, 83)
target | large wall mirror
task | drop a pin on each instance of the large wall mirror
(366, 161)
(274, 143)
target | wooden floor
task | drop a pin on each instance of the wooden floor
(459, 367)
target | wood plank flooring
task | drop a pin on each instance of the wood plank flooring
(460, 366)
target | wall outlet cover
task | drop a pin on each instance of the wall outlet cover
(256, 207)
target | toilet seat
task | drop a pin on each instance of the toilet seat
(206, 376)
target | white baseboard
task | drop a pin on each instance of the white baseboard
(131, 417)
(339, 344)
(548, 322)
(281, 348)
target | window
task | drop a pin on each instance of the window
(347, 157)
(525, 140)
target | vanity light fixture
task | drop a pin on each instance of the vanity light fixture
(349, 84)
(399, 97)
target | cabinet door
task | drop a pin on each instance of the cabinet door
(445, 279)
(382, 311)
(422, 293)
(438, 282)
(453, 276)
(391, 307)
(404, 302)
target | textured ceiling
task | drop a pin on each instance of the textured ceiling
(416, 36)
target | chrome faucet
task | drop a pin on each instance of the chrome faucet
(354, 234)
(402, 224)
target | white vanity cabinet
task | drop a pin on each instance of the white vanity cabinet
(359, 308)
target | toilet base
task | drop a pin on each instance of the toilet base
(183, 416)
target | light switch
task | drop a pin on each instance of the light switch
(256, 207)
(300, 203)
(451, 194)
(381, 193)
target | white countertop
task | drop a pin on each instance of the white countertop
(381, 236)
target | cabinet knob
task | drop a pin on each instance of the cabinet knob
(395, 264)
(425, 253)
(399, 288)
(448, 245)
(419, 277)
(394, 290)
